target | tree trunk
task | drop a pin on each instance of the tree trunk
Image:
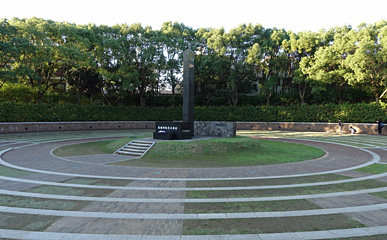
(268, 95)
(142, 99)
(78, 89)
(301, 91)
(377, 97)
(234, 97)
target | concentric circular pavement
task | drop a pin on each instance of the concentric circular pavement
(86, 198)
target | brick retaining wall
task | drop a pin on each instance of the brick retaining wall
(361, 128)
(20, 127)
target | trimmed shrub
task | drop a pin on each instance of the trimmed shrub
(360, 112)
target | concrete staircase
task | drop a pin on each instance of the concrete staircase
(135, 148)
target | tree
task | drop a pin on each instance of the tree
(81, 42)
(300, 49)
(269, 60)
(328, 64)
(369, 61)
(234, 47)
(175, 38)
(142, 59)
(55, 52)
(11, 47)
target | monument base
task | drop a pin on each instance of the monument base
(173, 130)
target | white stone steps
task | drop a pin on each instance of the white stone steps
(135, 148)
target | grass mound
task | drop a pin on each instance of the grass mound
(218, 152)
(224, 152)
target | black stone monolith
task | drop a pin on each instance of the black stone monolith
(188, 88)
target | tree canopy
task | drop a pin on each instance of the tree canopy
(121, 62)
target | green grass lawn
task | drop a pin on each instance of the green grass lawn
(224, 152)
(374, 168)
(218, 152)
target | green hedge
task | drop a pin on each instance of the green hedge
(361, 112)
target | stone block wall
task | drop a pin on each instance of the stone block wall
(21, 127)
(215, 129)
(361, 128)
(202, 128)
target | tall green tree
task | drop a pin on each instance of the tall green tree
(300, 49)
(55, 52)
(11, 48)
(328, 65)
(369, 61)
(175, 38)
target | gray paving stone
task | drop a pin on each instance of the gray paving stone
(241, 215)
(45, 236)
(200, 237)
(353, 232)
(316, 235)
(13, 234)
(212, 215)
(240, 237)
(279, 236)
(376, 230)
(121, 237)
(160, 237)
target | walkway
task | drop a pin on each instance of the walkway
(92, 200)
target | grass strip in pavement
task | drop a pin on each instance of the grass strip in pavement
(266, 182)
(374, 168)
(42, 203)
(224, 152)
(26, 222)
(235, 207)
(89, 148)
(342, 187)
(376, 237)
(381, 195)
(268, 225)
(98, 181)
(58, 190)
(11, 172)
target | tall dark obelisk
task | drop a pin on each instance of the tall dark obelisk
(188, 88)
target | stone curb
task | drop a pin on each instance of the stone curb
(327, 234)
(375, 159)
(109, 215)
(192, 200)
(192, 189)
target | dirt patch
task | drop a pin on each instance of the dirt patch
(268, 225)
(235, 207)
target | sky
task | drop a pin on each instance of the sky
(294, 15)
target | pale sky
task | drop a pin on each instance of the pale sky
(294, 15)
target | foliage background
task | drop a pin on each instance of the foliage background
(355, 113)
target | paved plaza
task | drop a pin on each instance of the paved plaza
(85, 197)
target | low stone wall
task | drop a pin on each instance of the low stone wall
(202, 128)
(215, 129)
(21, 127)
(361, 128)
